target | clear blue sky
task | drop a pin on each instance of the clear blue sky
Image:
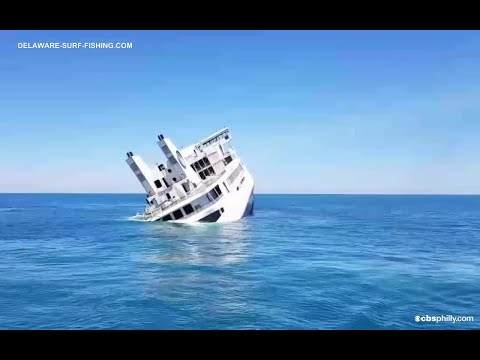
(310, 112)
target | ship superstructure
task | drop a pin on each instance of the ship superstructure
(203, 182)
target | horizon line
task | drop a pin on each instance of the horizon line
(262, 193)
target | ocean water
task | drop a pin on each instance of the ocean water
(300, 262)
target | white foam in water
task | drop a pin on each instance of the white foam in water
(192, 223)
(141, 218)
(137, 217)
(10, 209)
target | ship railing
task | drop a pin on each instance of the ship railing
(199, 189)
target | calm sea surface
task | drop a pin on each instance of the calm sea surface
(300, 262)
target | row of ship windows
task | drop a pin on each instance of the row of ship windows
(216, 138)
(197, 166)
(188, 209)
(207, 172)
(204, 162)
(200, 164)
(158, 183)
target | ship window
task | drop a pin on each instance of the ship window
(197, 166)
(217, 188)
(209, 198)
(165, 182)
(158, 184)
(168, 196)
(198, 206)
(202, 163)
(185, 187)
(178, 214)
(174, 179)
(167, 217)
(228, 159)
(222, 210)
(188, 209)
(211, 171)
(213, 194)
(207, 161)
(225, 185)
(202, 175)
(169, 170)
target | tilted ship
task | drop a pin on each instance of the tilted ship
(203, 182)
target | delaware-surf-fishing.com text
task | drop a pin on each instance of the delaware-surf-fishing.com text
(75, 45)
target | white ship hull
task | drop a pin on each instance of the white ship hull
(236, 204)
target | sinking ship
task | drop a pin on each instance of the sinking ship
(203, 182)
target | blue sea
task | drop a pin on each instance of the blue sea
(79, 261)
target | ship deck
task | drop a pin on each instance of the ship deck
(164, 209)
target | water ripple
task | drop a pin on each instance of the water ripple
(301, 262)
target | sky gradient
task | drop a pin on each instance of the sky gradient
(309, 111)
